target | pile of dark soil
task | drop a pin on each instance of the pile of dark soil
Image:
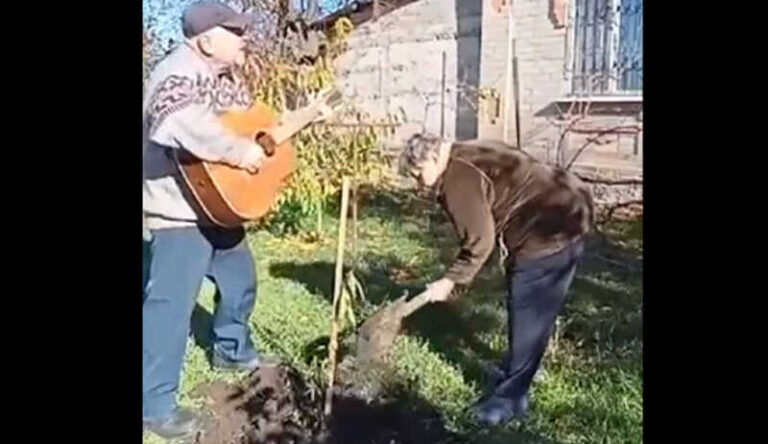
(275, 406)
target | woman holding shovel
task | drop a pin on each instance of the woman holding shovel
(538, 214)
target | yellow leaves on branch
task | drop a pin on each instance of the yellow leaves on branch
(326, 153)
(342, 28)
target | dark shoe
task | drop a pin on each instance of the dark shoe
(496, 410)
(246, 366)
(182, 423)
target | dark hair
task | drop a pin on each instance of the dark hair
(419, 148)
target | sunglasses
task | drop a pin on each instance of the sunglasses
(236, 31)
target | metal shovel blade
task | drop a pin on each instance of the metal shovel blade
(378, 332)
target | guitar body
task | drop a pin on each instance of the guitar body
(230, 196)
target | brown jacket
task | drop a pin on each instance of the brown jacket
(490, 189)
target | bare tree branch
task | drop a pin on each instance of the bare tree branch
(608, 181)
(566, 123)
(592, 140)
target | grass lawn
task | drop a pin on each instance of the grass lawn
(591, 391)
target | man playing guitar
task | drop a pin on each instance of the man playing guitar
(185, 94)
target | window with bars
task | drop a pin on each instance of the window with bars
(606, 47)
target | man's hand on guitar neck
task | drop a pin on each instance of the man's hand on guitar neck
(253, 159)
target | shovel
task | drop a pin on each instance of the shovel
(378, 332)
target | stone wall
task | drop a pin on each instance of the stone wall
(395, 65)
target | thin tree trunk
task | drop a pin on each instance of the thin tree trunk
(334, 340)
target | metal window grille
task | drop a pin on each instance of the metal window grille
(606, 49)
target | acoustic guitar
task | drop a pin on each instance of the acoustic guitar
(230, 196)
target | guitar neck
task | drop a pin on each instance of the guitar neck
(294, 122)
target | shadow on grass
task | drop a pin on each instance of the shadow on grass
(603, 311)
(604, 305)
(449, 331)
(378, 278)
(201, 327)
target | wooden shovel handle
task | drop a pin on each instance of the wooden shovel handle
(414, 304)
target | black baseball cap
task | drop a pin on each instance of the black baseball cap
(206, 15)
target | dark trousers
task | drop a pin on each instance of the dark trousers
(536, 292)
(175, 264)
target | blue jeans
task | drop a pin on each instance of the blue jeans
(179, 260)
(536, 293)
